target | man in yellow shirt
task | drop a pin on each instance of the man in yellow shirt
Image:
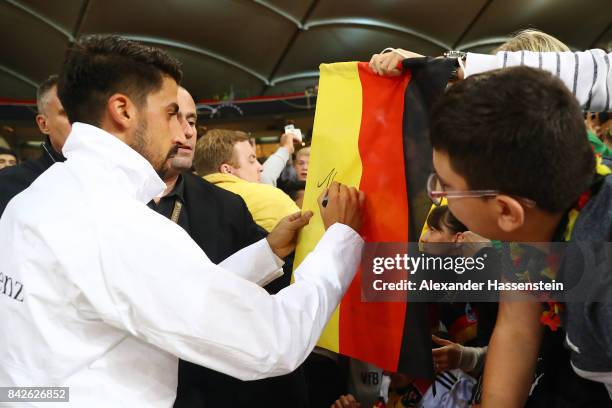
(227, 158)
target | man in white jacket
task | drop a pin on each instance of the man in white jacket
(100, 294)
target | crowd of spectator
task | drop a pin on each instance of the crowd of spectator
(227, 200)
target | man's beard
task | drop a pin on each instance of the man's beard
(141, 144)
(166, 165)
(175, 164)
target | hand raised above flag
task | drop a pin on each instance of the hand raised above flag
(343, 204)
(386, 63)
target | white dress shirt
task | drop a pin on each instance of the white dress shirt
(103, 295)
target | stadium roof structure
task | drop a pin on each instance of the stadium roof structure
(236, 50)
(249, 48)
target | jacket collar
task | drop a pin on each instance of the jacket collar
(134, 174)
(50, 154)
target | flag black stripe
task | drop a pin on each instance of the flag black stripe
(427, 84)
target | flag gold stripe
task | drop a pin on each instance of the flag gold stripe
(334, 155)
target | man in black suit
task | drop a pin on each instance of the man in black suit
(53, 122)
(220, 223)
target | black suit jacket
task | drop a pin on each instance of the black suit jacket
(221, 224)
(13, 180)
(219, 220)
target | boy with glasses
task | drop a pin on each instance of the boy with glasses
(511, 158)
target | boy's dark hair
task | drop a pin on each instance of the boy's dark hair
(517, 130)
(441, 216)
(42, 90)
(97, 66)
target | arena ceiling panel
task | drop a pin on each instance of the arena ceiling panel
(234, 49)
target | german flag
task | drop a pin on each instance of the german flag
(371, 132)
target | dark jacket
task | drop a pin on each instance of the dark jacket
(588, 319)
(13, 180)
(219, 220)
(221, 224)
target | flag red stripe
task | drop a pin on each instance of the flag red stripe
(383, 180)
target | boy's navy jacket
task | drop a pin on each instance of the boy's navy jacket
(588, 323)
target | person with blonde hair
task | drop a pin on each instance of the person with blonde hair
(532, 40)
(302, 158)
(227, 159)
(587, 74)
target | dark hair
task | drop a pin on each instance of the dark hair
(291, 188)
(518, 130)
(97, 66)
(441, 216)
(4, 150)
(42, 90)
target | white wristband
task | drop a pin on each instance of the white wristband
(471, 357)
